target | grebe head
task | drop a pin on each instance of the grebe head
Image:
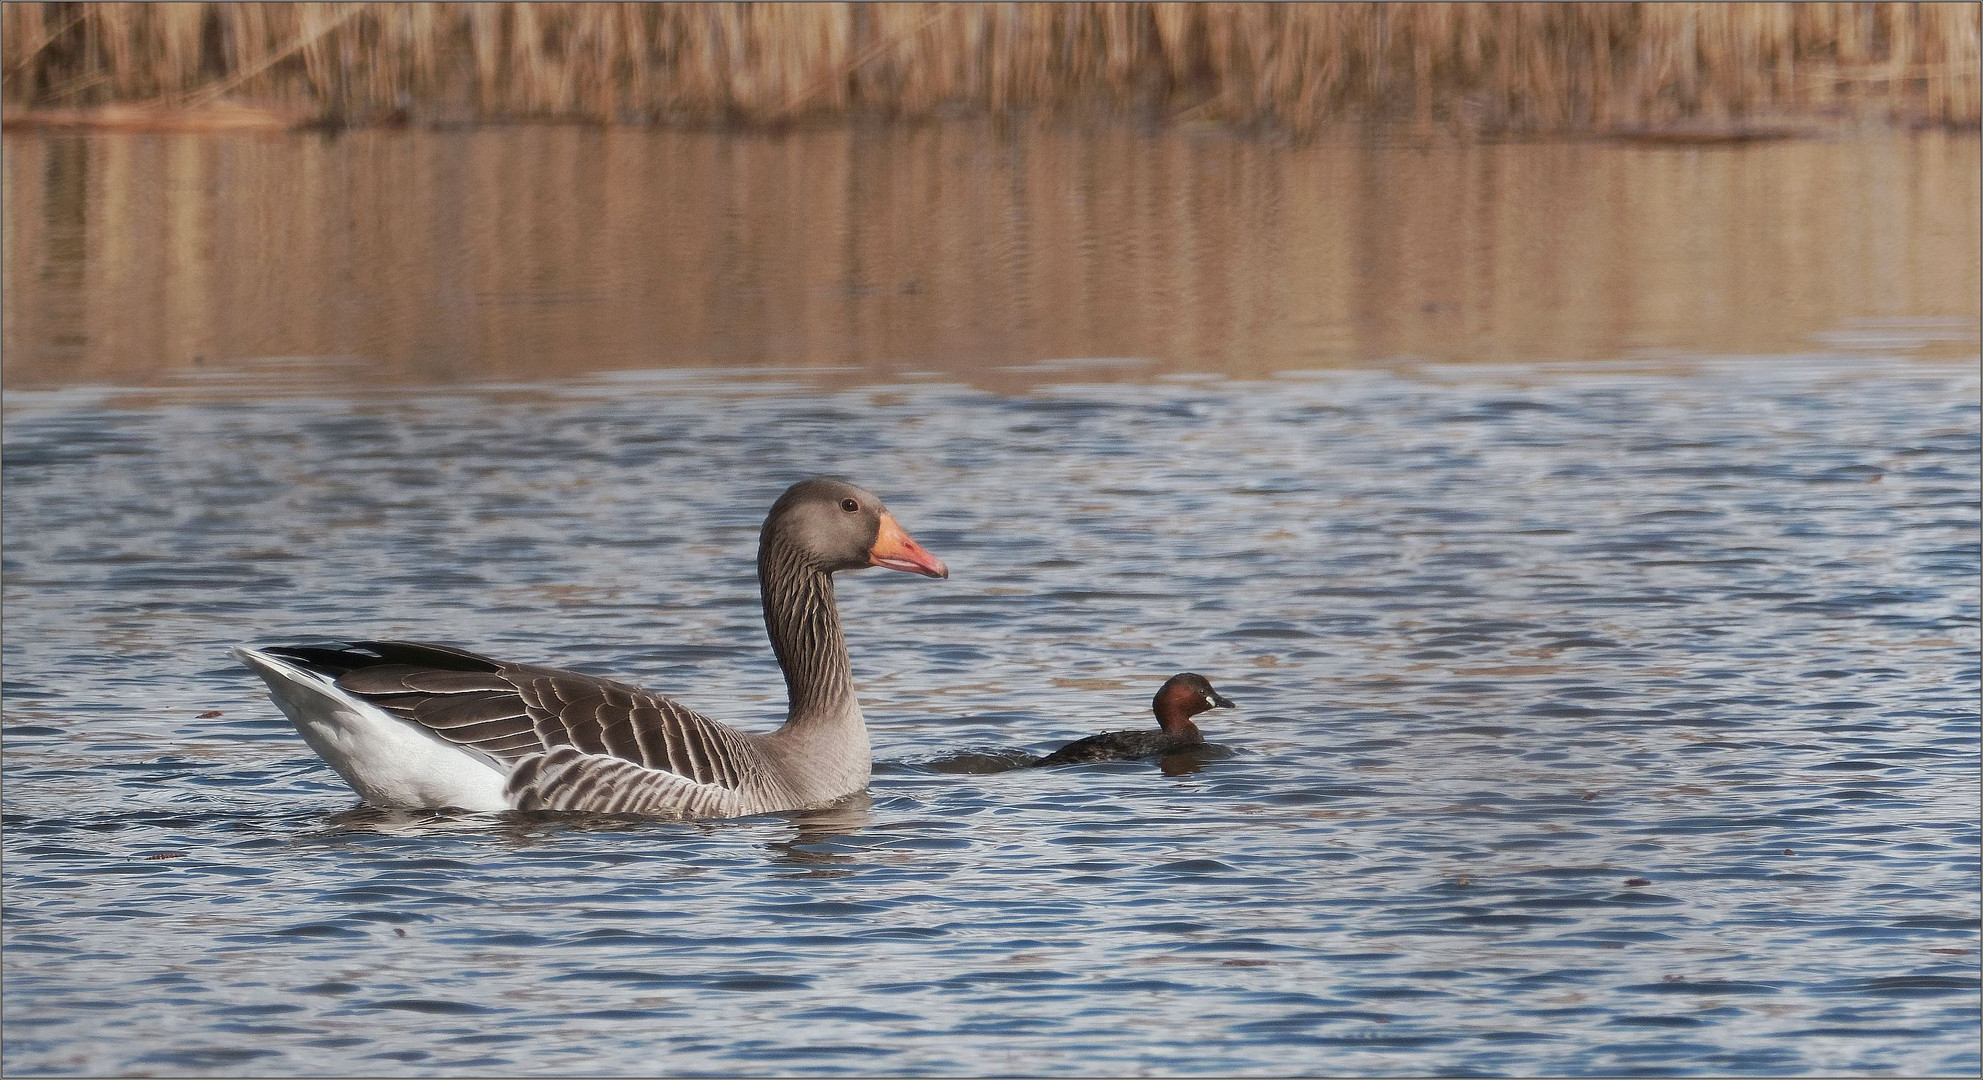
(1182, 697)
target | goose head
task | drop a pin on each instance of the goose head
(1182, 697)
(833, 526)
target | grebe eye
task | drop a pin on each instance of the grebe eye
(850, 505)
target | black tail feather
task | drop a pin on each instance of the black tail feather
(335, 658)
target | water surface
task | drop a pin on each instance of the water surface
(1591, 721)
(1611, 715)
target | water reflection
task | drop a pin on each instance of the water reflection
(1184, 762)
(364, 818)
(846, 817)
(809, 850)
(978, 761)
(343, 261)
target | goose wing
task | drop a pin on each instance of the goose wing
(567, 778)
(574, 730)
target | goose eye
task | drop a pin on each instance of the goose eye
(850, 505)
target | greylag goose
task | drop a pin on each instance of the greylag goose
(1182, 697)
(417, 726)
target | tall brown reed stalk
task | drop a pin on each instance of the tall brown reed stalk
(1535, 67)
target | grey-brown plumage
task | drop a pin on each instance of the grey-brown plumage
(1182, 697)
(562, 740)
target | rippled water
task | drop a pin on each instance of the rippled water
(1596, 719)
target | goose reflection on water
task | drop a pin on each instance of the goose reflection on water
(798, 839)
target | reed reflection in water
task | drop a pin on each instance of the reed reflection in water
(535, 252)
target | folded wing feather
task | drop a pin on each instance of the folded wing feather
(567, 778)
(573, 741)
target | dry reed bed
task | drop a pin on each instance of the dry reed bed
(1528, 67)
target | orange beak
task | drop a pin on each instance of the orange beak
(894, 550)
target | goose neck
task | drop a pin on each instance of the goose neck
(804, 624)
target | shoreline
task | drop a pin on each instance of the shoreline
(232, 117)
(1476, 71)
